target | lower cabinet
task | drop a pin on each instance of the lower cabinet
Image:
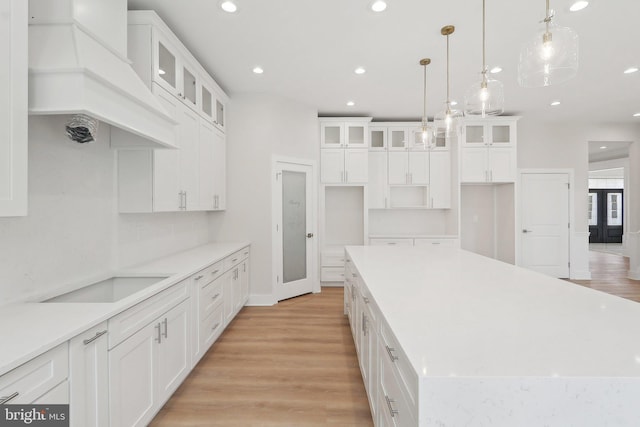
(89, 378)
(147, 367)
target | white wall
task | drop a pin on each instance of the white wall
(258, 127)
(73, 233)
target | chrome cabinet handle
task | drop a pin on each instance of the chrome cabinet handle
(198, 277)
(390, 403)
(526, 231)
(215, 326)
(390, 351)
(213, 298)
(95, 337)
(214, 272)
(234, 260)
(166, 328)
(159, 337)
(354, 275)
(366, 300)
(185, 200)
(6, 399)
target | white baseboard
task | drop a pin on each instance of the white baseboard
(262, 300)
(332, 284)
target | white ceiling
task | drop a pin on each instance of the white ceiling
(309, 49)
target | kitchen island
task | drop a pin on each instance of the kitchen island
(446, 337)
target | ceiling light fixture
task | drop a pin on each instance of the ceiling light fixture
(495, 70)
(351, 103)
(636, 115)
(485, 98)
(425, 129)
(550, 57)
(631, 70)
(445, 117)
(604, 147)
(378, 6)
(229, 6)
(258, 70)
(554, 103)
(359, 70)
(578, 5)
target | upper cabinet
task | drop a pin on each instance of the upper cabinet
(343, 150)
(341, 134)
(13, 108)
(488, 150)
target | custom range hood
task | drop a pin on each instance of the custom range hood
(78, 64)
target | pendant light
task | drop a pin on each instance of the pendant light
(485, 98)
(444, 118)
(426, 131)
(550, 57)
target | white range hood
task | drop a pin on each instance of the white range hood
(78, 64)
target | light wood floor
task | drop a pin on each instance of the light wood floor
(293, 364)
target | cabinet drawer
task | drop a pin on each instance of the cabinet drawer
(211, 327)
(332, 274)
(235, 258)
(59, 395)
(450, 243)
(137, 317)
(391, 242)
(396, 409)
(392, 353)
(210, 297)
(207, 275)
(332, 259)
(30, 381)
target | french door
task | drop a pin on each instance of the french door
(605, 216)
(294, 237)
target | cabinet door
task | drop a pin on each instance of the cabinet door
(377, 180)
(419, 167)
(206, 169)
(473, 165)
(440, 179)
(166, 163)
(207, 102)
(398, 168)
(331, 135)
(220, 171)
(237, 288)
(244, 281)
(89, 375)
(502, 164)
(190, 87)
(332, 166)
(13, 108)
(377, 138)
(356, 165)
(131, 378)
(189, 126)
(473, 134)
(166, 70)
(220, 113)
(398, 138)
(502, 135)
(173, 361)
(356, 135)
(229, 291)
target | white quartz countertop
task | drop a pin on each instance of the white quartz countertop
(458, 314)
(29, 329)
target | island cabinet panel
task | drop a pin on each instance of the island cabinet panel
(446, 337)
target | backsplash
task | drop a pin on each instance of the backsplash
(73, 232)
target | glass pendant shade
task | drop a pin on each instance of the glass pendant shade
(445, 120)
(550, 57)
(485, 98)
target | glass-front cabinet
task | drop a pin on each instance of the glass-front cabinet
(484, 132)
(344, 135)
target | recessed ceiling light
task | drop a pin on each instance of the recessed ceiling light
(631, 70)
(495, 70)
(229, 6)
(604, 147)
(359, 70)
(636, 115)
(554, 103)
(578, 5)
(161, 71)
(351, 103)
(258, 70)
(378, 5)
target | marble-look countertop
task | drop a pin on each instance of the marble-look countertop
(30, 329)
(494, 344)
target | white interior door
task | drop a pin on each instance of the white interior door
(544, 242)
(295, 229)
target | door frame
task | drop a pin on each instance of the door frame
(276, 246)
(577, 259)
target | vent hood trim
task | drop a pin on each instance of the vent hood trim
(71, 71)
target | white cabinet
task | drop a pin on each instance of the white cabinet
(89, 378)
(440, 179)
(343, 166)
(335, 134)
(212, 168)
(409, 167)
(332, 264)
(146, 368)
(378, 182)
(37, 378)
(13, 107)
(488, 150)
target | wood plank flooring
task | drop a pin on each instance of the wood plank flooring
(293, 364)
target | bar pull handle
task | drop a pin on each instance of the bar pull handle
(95, 337)
(213, 298)
(215, 326)
(199, 277)
(390, 351)
(390, 403)
(6, 399)
(159, 337)
(166, 328)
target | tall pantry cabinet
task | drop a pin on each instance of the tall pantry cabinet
(192, 177)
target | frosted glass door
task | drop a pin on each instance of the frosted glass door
(294, 226)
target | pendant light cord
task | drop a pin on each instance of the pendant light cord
(484, 65)
(424, 107)
(448, 98)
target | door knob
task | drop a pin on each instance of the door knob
(309, 235)
(526, 231)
